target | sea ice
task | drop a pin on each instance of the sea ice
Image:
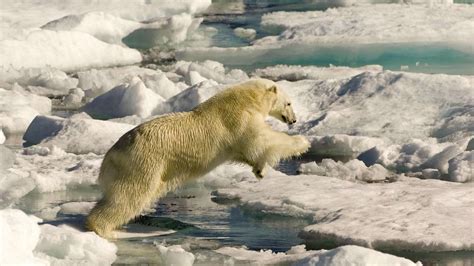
(75, 135)
(409, 214)
(461, 167)
(351, 170)
(248, 34)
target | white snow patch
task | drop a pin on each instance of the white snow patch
(461, 167)
(352, 170)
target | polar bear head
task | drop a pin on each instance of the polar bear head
(282, 109)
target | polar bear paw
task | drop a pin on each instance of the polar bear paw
(301, 144)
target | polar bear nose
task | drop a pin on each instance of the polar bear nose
(292, 121)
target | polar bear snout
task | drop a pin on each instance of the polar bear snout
(289, 121)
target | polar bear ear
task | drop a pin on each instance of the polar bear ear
(272, 89)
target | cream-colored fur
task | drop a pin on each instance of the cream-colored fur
(157, 156)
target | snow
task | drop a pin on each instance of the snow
(128, 99)
(362, 24)
(18, 108)
(295, 73)
(409, 214)
(211, 70)
(75, 135)
(64, 50)
(298, 255)
(175, 255)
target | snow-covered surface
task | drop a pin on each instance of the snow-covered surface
(410, 214)
(298, 255)
(76, 134)
(362, 24)
(25, 242)
(461, 167)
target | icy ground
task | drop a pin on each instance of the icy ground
(390, 166)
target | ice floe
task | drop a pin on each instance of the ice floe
(25, 242)
(175, 255)
(298, 255)
(362, 24)
(410, 214)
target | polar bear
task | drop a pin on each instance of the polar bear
(157, 156)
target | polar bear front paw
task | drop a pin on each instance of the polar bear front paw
(301, 144)
(259, 172)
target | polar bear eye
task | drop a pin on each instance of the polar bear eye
(288, 104)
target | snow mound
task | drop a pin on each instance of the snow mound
(211, 70)
(64, 50)
(128, 99)
(75, 135)
(18, 108)
(175, 255)
(342, 145)
(410, 214)
(362, 24)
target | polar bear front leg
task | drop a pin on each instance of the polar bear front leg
(278, 146)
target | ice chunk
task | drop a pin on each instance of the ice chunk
(13, 187)
(64, 50)
(79, 136)
(63, 245)
(409, 214)
(175, 255)
(267, 257)
(74, 98)
(248, 34)
(352, 170)
(18, 108)
(2, 136)
(356, 256)
(211, 70)
(124, 100)
(342, 145)
(20, 234)
(461, 167)
(103, 26)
